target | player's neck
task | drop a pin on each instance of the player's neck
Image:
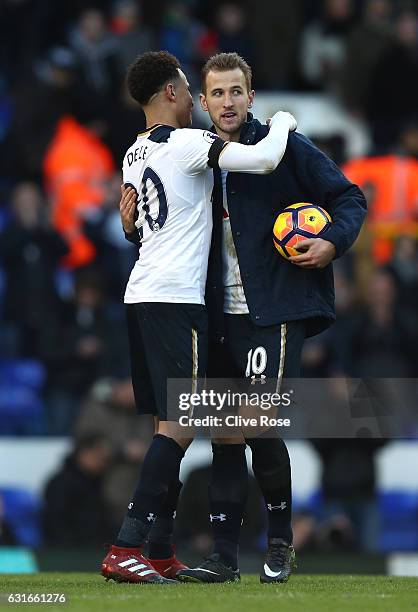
(227, 136)
(160, 117)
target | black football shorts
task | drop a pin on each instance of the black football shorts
(166, 341)
(254, 353)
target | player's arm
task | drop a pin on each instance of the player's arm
(194, 150)
(326, 185)
(263, 157)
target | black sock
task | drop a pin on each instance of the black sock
(228, 491)
(161, 534)
(271, 466)
(161, 466)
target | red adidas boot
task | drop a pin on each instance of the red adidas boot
(168, 567)
(129, 565)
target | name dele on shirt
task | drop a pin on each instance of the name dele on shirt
(136, 154)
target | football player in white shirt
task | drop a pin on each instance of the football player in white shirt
(169, 171)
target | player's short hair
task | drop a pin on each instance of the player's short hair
(148, 74)
(226, 61)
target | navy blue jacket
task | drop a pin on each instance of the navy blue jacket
(276, 290)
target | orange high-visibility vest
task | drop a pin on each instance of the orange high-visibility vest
(76, 167)
(390, 184)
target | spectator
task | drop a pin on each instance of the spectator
(20, 21)
(81, 344)
(409, 139)
(393, 89)
(133, 36)
(366, 44)
(340, 336)
(384, 338)
(330, 354)
(97, 52)
(30, 250)
(113, 253)
(76, 167)
(404, 266)
(181, 34)
(275, 46)
(349, 517)
(232, 31)
(390, 183)
(75, 513)
(51, 89)
(110, 410)
(323, 45)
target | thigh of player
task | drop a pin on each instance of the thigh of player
(265, 355)
(166, 341)
(272, 352)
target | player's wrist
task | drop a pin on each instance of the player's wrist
(331, 248)
(129, 229)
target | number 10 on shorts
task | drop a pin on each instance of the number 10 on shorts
(256, 361)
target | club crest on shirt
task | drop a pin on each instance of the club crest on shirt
(209, 136)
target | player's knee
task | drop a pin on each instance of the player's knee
(174, 431)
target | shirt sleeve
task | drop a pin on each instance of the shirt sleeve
(194, 151)
(263, 157)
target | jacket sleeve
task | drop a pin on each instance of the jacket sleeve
(320, 176)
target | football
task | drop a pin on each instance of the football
(296, 223)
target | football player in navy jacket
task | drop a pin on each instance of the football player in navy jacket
(261, 307)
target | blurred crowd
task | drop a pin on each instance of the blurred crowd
(65, 122)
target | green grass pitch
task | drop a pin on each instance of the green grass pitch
(307, 593)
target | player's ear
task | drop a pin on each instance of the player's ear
(170, 92)
(203, 103)
(251, 98)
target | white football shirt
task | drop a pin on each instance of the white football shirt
(169, 169)
(234, 297)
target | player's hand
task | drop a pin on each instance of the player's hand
(284, 116)
(127, 207)
(317, 253)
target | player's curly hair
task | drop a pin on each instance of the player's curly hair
(148, 74)
(226, 61)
